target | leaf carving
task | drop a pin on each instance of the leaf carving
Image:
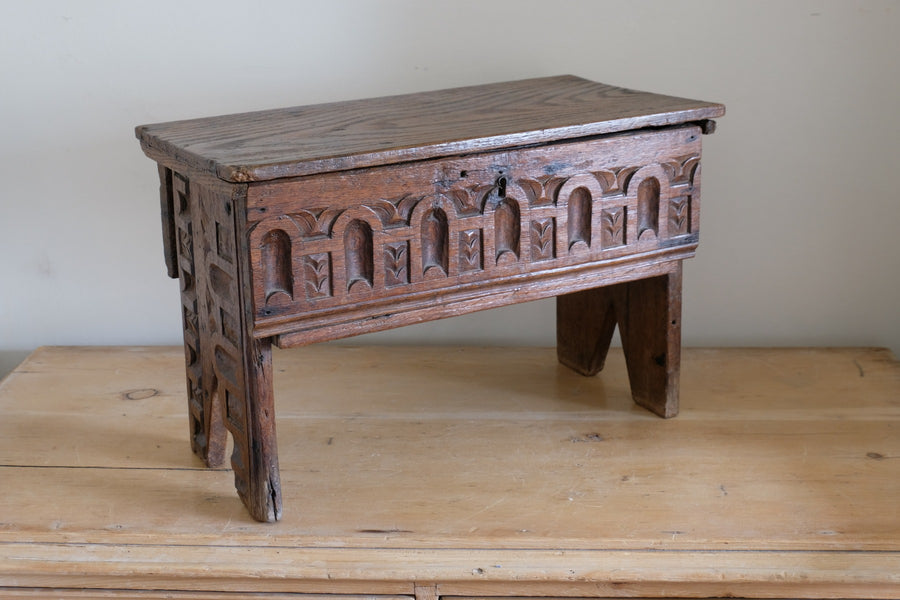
(682, 169)
(470, 250)
(614, 181)
(394, 212)
(315, 222)
(542, 238)
(470, 200)
(318, 275)
(612, 222)
(396, 263)
(542, 191)
(678, 224)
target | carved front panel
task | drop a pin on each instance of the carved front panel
(323, 242)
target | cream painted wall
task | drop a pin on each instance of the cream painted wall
(801, 207)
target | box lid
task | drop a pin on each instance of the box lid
(303, 140)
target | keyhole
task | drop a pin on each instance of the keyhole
(501, 187)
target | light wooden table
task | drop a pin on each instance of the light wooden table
(460, 472)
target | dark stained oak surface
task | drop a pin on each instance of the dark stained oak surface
(290, 142)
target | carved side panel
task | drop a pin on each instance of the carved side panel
(199, 409)
(229, 372)
(213, 318)
(222, 331)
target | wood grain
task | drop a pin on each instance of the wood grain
(650, 327)
(648, 314)
(290, 142)
(486, 471)
(88, 594)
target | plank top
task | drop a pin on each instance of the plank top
(471, 467)
(289, 142)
